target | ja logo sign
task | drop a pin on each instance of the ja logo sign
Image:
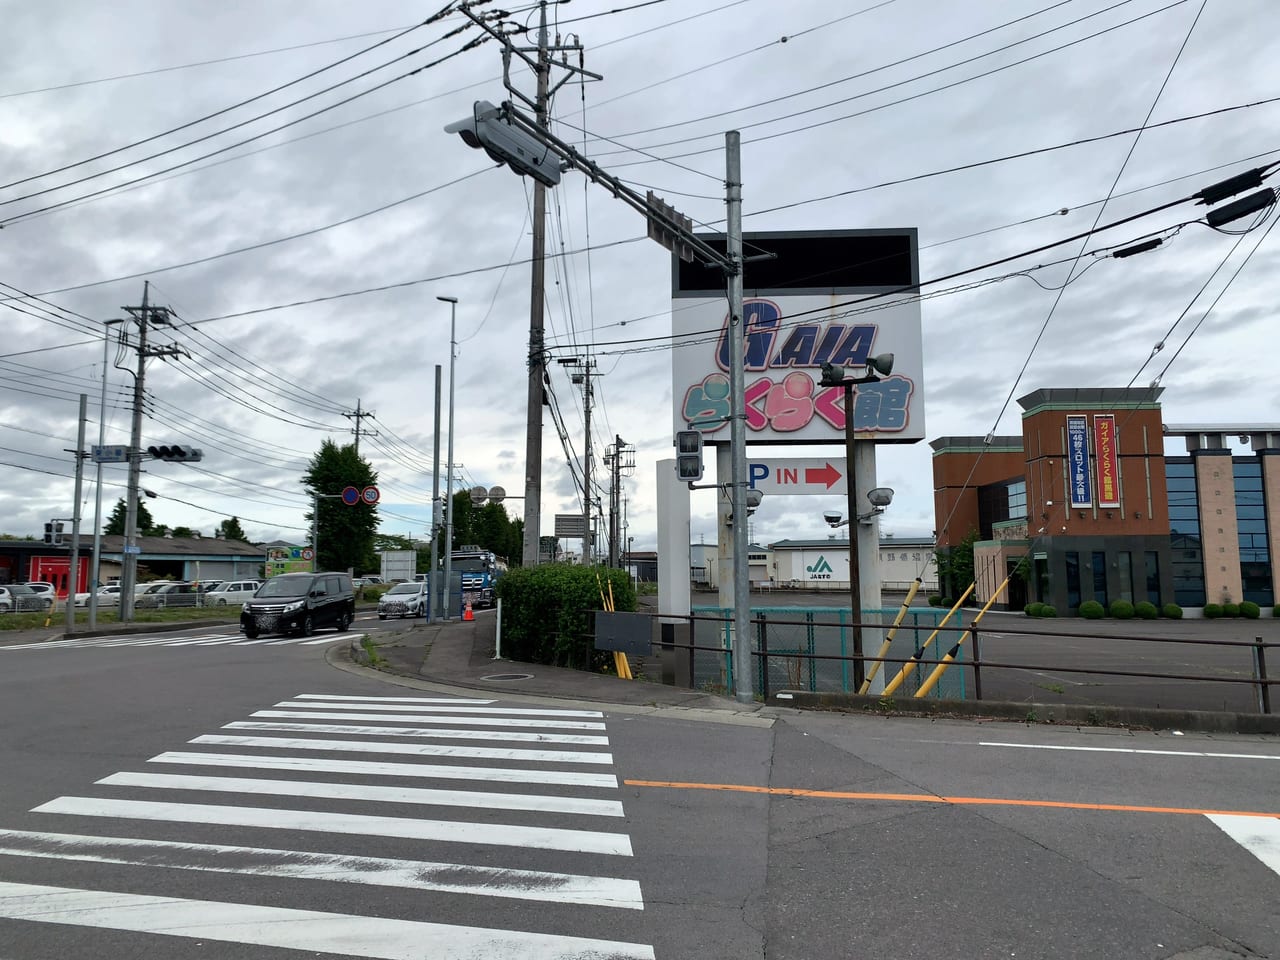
(820, 570)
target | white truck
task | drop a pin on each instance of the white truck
(398, 564)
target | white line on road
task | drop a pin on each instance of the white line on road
(568, 778)
(1157, 753)
(499, 711)
(457, 701)
(510, 736)
(539, 803)
(346, 935)
(417, 749)
(337, 868)
(425, 718)
(271, 818)
(1259, 835)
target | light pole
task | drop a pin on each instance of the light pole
(448, 483)
(833, 376)
(95, 581)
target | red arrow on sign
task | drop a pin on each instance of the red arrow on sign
(828, 475)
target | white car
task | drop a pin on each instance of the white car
(231, 592)
(108, 596)
(19, 598)
(404, 600)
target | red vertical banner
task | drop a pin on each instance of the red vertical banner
(1108, 462)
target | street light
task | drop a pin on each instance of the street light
(833, 376)
(96, 579)
(448, 484)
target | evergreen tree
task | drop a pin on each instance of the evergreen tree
(231, 530)
(115, 522)
(346, 533)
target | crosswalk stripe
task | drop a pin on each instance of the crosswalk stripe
(333, 933)
(338, 868)
(394, 707)
(1259, 835)
(457, 701)
(442, 734)
(538, 803)
(418, 749)
(448, 831)
(426, 718)
(569, 778)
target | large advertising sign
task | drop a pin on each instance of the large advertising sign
(1078, 460)
(793, 324)
(1104, 450)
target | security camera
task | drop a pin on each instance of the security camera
(880, 496)
(832, 517)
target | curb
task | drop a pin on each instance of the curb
(1079, 715)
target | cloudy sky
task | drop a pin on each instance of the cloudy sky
(301, 235)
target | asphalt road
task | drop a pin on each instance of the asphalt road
(234, 800)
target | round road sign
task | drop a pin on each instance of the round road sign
(497, 494)
(308, 554)
(370, 495)
(350, 496)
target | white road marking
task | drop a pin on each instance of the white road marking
(569, 778)
(539, 803)
(499, 711)
(337, 868)
(422, 750)
(1156, 753)
(1259, 835)
(427, 718)
(511, 736)
(458, 701)
(302, 930)
(448, 831)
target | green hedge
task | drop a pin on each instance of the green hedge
(1212, 611)
(1033, 609)
(544, 612)
(1250, 610)
(1172, 611)
(1231, 609)
(935, 599)
(1048, 611)
(1122, 609)
(1091, 610)
(1147, 610)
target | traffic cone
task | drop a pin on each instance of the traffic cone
(466, 612)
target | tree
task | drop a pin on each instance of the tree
(184, 532)
(115, 522)
(391, 541)
(956, 566)
(488, 527)
(345, 532)
(231, 530)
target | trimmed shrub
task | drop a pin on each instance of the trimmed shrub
(1275, 611)
(946, 602)
(1147, 610)
(935, 600)
(1231, 609)
(546, 612)
(1172, 611)
(1091, 610)
(1250, 610)
(1122, 609)
(1048, 611)
(1033, 609)
(1212, 611)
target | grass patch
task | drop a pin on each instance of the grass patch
(371, 652)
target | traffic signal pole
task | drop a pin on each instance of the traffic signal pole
(129, 564)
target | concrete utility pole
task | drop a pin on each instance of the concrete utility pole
(437, 596)
(581, 372)
(448, 485)
(358, 416)
(95, 577)
(72, 579)
(617, 458)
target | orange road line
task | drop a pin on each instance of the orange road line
(931, 798)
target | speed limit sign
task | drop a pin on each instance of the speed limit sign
(370, 495)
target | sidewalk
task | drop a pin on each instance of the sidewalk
(461, 654)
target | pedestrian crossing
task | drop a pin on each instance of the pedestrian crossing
(502, 826)
(220, 639)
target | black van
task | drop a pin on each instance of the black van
(299, 603)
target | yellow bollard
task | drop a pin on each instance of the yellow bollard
(897, 681)
(888, 638)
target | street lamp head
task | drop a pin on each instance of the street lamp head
(880, 496)
(448, 299)
(833, 376)
(832, 517)
(882, 364)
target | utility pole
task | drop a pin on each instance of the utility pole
(73, 569)
(581, 373)
(95, 576)
(619, 457)
(541, 67)
(145, 315)
(359, 415)
(437, 597)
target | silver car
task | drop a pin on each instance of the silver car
(231, 592)
(404, 600)
(19, 598)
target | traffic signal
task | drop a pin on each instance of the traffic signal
(488, 129)
(53, 532)
(176, 452)
(689, 455)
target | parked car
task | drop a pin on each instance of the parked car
(373, 579)
(208, 586)
(19, 598)
(231, 591)
(300, 603)
(404, 600)
(175, 593)
(44, 589)
(108, 596)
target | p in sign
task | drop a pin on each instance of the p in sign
(350, 496)
(796, 476)
(370, 495)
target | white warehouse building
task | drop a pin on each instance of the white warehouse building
(823, 564)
